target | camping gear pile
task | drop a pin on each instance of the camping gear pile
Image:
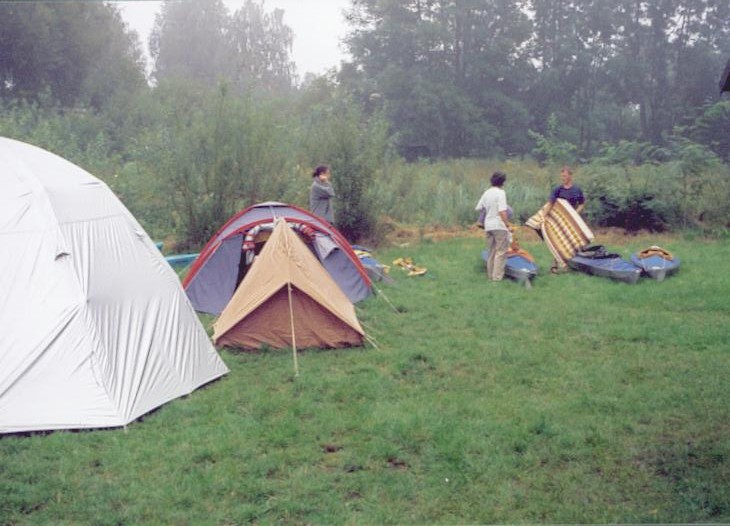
(568, 238)
(407, 264)
(89, 339)
(376, 270)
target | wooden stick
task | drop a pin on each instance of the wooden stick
(291, 313)
(293, 336)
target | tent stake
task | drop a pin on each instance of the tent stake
(381, 293)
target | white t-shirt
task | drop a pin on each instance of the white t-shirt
(493, 201)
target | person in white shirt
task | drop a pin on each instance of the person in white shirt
(493, 206)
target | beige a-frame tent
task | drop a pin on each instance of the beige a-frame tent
(95, 328)
(288, 299)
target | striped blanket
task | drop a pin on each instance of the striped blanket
(563, 230)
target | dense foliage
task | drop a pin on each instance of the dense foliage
(77, 53)
(628, 93)
(473, 77)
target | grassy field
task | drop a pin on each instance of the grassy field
(578, 401)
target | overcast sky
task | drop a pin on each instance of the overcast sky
(318, 25)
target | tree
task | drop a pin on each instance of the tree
(449, 73)
(77, 54)
(550, 148)
(711, 129)
(666, 59)
(203, 42)
(212, 153)
(355, 145)
(262, 44)
(190, 40)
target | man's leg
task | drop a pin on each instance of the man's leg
(501, 242)
(490, 260)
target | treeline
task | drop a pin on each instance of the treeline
(221, 119)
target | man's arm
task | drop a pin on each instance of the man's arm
(322, 191)
(505, 219)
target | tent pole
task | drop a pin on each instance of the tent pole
(293, 337)
(291, 316)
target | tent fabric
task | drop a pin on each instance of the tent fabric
(95, 329)
(259, 312)
(214, 276)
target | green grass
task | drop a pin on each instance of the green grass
(579, 401)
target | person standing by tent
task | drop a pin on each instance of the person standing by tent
(321, 193)
(573, 194)
(493, 204)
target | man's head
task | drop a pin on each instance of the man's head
(498, 179)
(566, 176)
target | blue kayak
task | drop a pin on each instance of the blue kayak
(181, 260)
(517, 267)
(614, 267)
(656, 266)
(376, 271)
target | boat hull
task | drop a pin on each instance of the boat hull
(656, 267)
(615, 268)
(517, 267)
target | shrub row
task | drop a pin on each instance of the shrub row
(183, 172)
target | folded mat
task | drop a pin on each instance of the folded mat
(562, 229)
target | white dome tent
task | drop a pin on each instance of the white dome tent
(95, 328)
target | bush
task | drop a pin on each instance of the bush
(214, 154)
(445, 193)
(640, 186)
(632, 198)
(355, 147)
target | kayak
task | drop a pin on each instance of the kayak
(376, 271)
(181, 260)
(613, 267)
(517, 266)
(655, 266)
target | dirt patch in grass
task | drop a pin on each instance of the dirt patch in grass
(396, 234)
(619, 236)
